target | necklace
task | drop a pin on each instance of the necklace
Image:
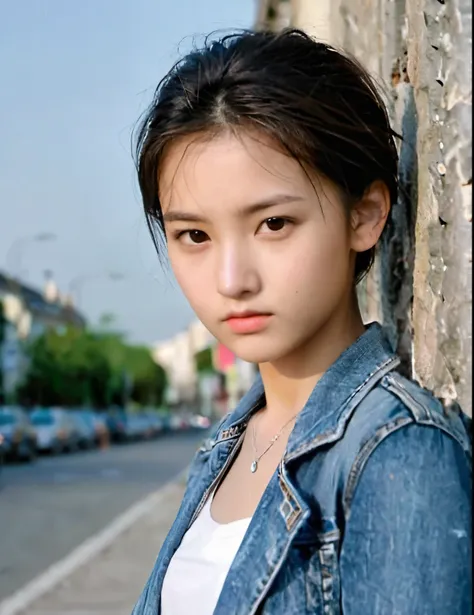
(254, 464)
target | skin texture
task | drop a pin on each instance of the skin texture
(293, 259)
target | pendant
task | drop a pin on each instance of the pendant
(253, 467)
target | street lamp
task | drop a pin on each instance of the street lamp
(15, 251)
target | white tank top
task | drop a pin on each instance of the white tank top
(199, 567)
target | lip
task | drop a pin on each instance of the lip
(247, 322)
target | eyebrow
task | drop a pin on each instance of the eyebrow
(277, 199)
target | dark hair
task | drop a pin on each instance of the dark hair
(318, 103)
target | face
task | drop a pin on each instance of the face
(248, 231)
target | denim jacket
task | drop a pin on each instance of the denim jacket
(368, 512)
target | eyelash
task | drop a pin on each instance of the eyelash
(179, 234)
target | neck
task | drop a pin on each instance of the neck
(289, 382)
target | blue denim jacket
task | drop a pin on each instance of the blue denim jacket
(368, 512)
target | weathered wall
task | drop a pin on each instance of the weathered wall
(420, 51)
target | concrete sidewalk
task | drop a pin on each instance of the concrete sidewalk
(111, 582)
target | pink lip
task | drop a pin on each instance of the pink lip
(248, 324)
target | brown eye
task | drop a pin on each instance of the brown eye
(197, 236)
(275, 224)
(191, 237)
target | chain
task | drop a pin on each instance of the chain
(254, 465)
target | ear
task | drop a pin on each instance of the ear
(368, 217)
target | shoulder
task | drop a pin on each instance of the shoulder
(397, 401)
(401, 433)
(407, 506)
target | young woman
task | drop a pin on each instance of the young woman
(268, 166)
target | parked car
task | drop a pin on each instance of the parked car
(200, 422)
(165, 422)
(2, 453)
(155, 422)
(138, 426)
(179, 422)
(17, 435)
(84, 420)
(97, 426)
(118, 426)
(102, 434)
(56, 430)
(152, 423)
(2, 448)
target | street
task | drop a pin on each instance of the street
(50, 507)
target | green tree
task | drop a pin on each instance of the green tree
(204, 362)
(98, 368)
(66, 368)
(147, 379)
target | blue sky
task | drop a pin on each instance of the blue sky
(75, 77)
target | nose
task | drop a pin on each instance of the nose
(237, 272)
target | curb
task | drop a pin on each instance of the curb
(86, 551)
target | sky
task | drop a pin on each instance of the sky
(75, 77)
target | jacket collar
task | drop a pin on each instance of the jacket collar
(342, 386)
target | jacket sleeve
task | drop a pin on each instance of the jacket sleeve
(407, 542)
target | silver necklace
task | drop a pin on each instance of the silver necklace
(254, 464)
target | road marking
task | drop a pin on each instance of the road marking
(90, 548)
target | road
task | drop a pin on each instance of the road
(50, 507)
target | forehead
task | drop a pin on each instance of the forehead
(237, 168)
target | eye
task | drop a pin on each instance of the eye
(193, 236)
(276, 224)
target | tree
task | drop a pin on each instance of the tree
(147, 378)
(66, 368)
(204, 362)
(98, 368)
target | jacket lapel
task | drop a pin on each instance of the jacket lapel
(274, 526)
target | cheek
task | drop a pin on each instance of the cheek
(317, 260)
(193, 280)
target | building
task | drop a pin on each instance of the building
(177, 357)
(189, 386)
(238, 374)
(26, 314)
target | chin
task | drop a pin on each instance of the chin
(253, 350)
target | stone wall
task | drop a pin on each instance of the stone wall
(420, 52)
